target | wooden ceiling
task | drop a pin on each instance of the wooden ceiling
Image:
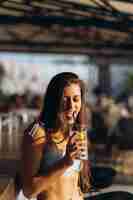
(102, 28)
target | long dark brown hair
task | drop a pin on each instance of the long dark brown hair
(53, 101)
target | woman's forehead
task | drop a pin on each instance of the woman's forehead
(74, 88)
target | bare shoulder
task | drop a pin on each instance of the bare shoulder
(32, 148)
(35, 134)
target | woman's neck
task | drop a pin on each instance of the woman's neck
(58, 137)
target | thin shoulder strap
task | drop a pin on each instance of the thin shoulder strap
(35, 126)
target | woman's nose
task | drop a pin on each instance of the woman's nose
(70, 104)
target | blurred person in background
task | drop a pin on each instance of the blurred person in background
(50, 168)
(99, 111)
(120, 141)
(130, 101)
(121, 135)
(37, 102)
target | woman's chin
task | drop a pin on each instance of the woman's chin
(70, 121)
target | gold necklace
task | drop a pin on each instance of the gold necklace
(57, 141)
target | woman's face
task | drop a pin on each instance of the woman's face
(71, 103)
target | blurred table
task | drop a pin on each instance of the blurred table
(7, 190)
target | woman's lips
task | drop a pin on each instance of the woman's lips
(71, 115)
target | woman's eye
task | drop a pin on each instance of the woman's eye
(76, 99)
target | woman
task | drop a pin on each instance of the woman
(50, 168)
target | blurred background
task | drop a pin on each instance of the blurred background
(24, 78)
(92, 38)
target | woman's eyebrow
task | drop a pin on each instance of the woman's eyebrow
(77, 95)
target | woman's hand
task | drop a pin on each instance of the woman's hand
(74, 147)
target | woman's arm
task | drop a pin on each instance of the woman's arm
(31, 156)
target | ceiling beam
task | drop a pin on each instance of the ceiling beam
(125, 1)
(68, 21)
(92, 44)
(100, 49)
